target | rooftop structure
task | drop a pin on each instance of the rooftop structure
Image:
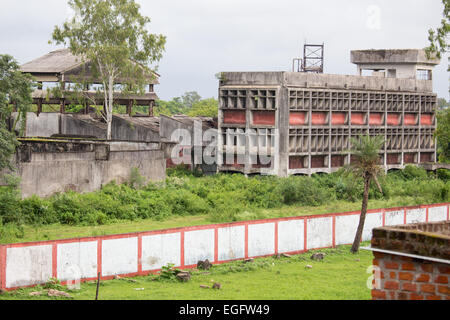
(61, 66)
(407, 63)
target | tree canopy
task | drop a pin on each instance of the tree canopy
(190, 103)
(16, 88)
(438, 37)
(111, 36)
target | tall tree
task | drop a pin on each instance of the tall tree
(438, 37)
(111, 38)
(442, 134)
(206, 107)
(365, 150)
(190, 98)
(15, 89)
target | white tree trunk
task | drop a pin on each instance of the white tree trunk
(109, 108)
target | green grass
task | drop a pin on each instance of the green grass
(340, 276)
(62, 231)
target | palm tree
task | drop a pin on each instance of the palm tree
(366, 165)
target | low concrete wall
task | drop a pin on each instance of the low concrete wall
(46, 168)
(27, 264)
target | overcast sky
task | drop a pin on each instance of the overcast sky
(205, 37)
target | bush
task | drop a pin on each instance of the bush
(305, 191)
(223, 197)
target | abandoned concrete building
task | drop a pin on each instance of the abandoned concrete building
(287, 123)
(77, 156)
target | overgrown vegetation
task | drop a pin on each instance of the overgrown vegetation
(224, 198)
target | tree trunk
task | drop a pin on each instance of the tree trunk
(362, 218)
(109, 107)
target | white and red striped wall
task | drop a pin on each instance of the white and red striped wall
(27, 264)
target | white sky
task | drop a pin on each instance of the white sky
(205, 37)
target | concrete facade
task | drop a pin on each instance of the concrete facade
(48, 167)
(287, 123)
(124, 127)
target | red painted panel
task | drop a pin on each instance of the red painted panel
(408, 158)
(234, 117)
(358, 118)
(392, 158)
(425, 157)
(264, 117)
(319, 118)
(393, 119)
(295, 162)
(410, 119)
(426, 119)
(338, 118)
(376, 119)
(317, 161)
(337, 161)
(297, 118)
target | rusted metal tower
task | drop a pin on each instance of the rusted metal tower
(312, 59)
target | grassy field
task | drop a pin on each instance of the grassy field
(340, 276)
(59, 231)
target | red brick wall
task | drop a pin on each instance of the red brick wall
(405, 278)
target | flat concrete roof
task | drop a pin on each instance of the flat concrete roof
(391, 56)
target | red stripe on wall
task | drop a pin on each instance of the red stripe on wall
(334, 231)
(2, 267)
(448, 212)
(426, 215)
(216, 245)
(99, 256)
(404, 218)
(139, 254)
(246, 241)
(305, 236)
(276, 237)
(55, 260)
(182, 249)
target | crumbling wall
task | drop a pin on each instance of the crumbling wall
(86, 167)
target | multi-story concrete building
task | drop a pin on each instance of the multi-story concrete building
(286, 123)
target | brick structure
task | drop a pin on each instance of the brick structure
(413, 262)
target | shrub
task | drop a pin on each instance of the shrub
(305, 191)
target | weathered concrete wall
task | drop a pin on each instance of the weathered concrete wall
(47, 172)
(73, 125)
(44, 125)
(48, 124)
(140, 253)
(125, 130)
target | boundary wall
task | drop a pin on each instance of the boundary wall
(72, 260)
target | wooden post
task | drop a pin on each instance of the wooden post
(86, 103)
(98, 285)
(39, 107)
(150, 108)
(130, 107)
(62, 108)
